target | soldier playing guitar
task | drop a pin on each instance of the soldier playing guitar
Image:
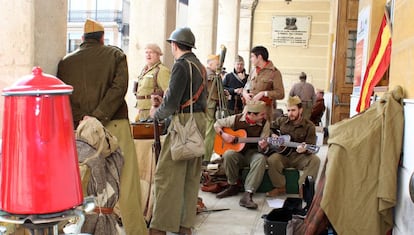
(252, 154)
(303, 158)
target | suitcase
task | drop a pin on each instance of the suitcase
(145, 130)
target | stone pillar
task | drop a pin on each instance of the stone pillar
(150, 22)
(247, 8)
(33, 35)
(50, 33)
(202, 19)
(228, 30)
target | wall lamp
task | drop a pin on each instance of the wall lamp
(288, 1)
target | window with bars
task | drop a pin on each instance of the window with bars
(350, 57)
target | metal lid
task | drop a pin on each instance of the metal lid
(37, 83)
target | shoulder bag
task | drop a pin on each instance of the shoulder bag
(186, 140)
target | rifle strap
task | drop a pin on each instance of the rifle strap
(157, 69)
(194, 97)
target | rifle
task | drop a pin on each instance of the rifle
(156, 148)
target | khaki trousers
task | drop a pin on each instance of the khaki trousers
(234, 161)
(130, 191)
(210, 132)
(176, 186)
(308, 163)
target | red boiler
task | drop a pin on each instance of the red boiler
(39, 162)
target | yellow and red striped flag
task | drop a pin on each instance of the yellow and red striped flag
(377, 65)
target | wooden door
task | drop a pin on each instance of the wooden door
(344, 61)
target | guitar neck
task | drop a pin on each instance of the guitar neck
(310, 147)
(291, 144)
(249, 140)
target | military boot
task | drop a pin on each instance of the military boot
(247, 201)
(230, 191)
(185, 231)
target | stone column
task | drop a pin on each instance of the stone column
(150, 22)
(33, 34)
(50, 33)
(247, 8)
(202, 19)
(228, 30)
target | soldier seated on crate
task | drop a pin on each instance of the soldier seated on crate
(233, 133)
(296, 151)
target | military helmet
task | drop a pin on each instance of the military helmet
(183, 36)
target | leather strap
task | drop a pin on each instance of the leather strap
(200, 89)
(104, 210)
(143, 97)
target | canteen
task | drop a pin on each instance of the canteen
(39, 171)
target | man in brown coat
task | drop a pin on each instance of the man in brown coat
(99, 76)
(306, 93)
(265, 82)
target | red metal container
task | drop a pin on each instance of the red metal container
(39, 163)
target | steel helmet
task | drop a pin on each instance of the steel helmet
(183, 36)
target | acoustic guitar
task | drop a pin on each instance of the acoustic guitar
(285, 146)
(220, 146)
(282, 144)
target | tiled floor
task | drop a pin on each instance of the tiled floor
(238, 220)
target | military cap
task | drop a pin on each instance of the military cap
(255, 106)
(154, 47)
(293, 100)
(92, 26)
(182, 36)
(212, 57)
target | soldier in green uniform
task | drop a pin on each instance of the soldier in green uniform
(212, 101)
(99, 76)
(154, 78)
(301, 130)
(177, 181)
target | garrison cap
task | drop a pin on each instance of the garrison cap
(212, 57)
(92, 26)
(293, 100)
(255, 106)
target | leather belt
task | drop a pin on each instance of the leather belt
(142, 97)
(104, 210)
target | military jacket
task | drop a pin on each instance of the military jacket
(99, 76)
(267, 79)
(151, 80)
(304, 131)
(178, 91)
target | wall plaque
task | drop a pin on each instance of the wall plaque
(291, 30)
